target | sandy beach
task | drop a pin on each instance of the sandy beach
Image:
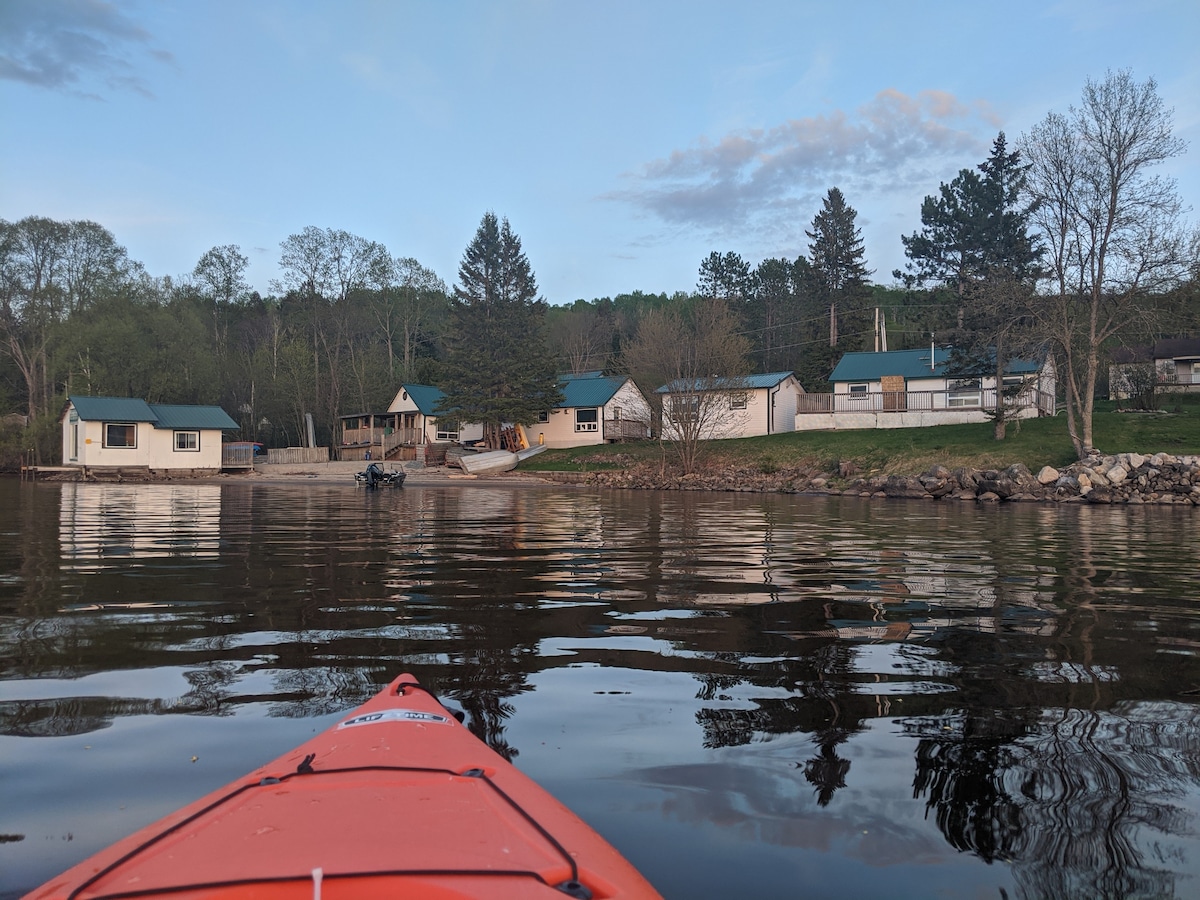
(343, 473)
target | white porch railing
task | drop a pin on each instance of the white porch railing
(919, 401)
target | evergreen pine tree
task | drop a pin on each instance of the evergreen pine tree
(836, 255)
(976, 240)
(498, 368)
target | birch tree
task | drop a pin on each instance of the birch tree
(1111, 226)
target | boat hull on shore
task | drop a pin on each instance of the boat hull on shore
(489, 462)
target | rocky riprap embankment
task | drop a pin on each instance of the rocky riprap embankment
(1123, 478)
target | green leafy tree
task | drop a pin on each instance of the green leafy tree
(408, 304)
(49, 271)
(498, 369)
(836, 254)
(221, 277)
(321, 269)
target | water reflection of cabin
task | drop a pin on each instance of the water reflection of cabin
(404, 431)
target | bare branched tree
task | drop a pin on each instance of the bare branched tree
(691, 365)
(1112, 228)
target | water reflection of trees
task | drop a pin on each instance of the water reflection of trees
(1044, 756)
(1027, 680)
(1073, 800)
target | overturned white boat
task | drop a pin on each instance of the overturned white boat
(489, 462)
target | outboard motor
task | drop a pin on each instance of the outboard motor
(374, 475)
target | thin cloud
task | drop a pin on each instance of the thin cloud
(759, 181)
(70, 45)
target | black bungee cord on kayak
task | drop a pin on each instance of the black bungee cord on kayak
(572, 887)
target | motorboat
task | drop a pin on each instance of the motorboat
(374, 475)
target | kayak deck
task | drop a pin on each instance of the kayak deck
(398, 799)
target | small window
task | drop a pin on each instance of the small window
(964, 392)
(616, 413)
(859, 391)
(737, 401)
(187, 440)
(120, 434)
(447, 435)
(587, 419)
(544, 416)
(685, 408)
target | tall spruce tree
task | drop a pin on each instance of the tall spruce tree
(498, 368)
(836, 255)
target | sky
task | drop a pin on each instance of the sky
(623, 141)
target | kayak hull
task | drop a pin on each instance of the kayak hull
(396, 800)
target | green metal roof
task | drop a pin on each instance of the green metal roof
(425, 396)
(588, 389)
(161, 415)
(908, 363)
(873, 366)
(766, 380)
(742, 383)
(113, 409)
(197, 417)
(585, 390)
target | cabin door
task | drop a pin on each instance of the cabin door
(895, 399)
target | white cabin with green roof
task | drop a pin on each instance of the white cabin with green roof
(595, 409)
(919, 388)
(124, 432)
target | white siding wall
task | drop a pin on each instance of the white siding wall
(785, 405)
(155, 448)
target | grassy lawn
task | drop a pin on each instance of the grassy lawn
(1034, 442)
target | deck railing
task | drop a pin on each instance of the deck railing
(919, 401)
(625, 430)
(237, 457)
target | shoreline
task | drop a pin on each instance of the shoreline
(1124, 478)
(325, 473)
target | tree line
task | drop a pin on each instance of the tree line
(1069, 244)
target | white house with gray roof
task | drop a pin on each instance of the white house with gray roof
(737, 407)
(124, 432)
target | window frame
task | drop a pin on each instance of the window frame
(107, 431)
(587, 419)
(186, 433)
(685, 408)
(964, 393)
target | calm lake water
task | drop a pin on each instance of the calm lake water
(750, 696)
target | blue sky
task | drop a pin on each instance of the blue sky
(624, 141)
